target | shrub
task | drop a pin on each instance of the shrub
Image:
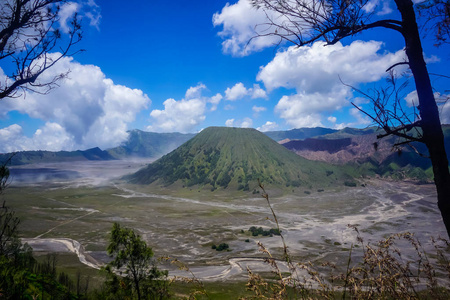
(260, 231)
(221, 247)
(350, 183)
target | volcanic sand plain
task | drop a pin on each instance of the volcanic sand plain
(70, 207)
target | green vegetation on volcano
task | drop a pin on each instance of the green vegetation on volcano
(236, 158)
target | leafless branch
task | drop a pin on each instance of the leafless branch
(303, 22)
(388, 113)
(439, 75)
(28, 34)
(436, 19)
(396, 65)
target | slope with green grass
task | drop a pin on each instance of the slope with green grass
(236, 158)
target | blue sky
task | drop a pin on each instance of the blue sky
(182, 66)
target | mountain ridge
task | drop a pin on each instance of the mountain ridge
(149, 144)
(222, 157)
(365, 150)
(331, 147)
(43, 156)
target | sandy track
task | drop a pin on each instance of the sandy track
(63, 245)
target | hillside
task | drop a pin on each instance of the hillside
(356, 147)
(350, 148)
(149, 144)
(221, 157)
(28, 157)
(299, 133)
(138, 144)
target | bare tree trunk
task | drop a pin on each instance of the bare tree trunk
(429, 113)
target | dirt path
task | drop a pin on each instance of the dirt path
(63, 245)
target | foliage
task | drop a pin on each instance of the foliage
(260, 231)
(21, 276)
(24, 278)
(4, 176)
(220, 247)
(132, 271)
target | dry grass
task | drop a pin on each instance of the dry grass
(373, 271)
(197, 286)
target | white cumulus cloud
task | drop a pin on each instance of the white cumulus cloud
(445, 112)
(412, 99)
(185, 114)
(244, 123)
(258, 109)
(241, 23)
(332, 119)
(229, 122)
(195, 91)
(317, 68)
(85, 9)
(67, 12)
(315, 73)
(215, 100)
(304, 110)
(257, 92)
(268, 126)
(51, 136)
(9, 138)
(89, 108)
(239, 91)
(443, 102)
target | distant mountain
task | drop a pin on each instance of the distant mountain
(149, 144)
(350, 132)
(28, 157)
(138, 144)
(342, 147)
(357, 147)
(330, 146)
(222, 157)
(299, 133)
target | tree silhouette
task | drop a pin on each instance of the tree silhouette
(303, 22)
(29, 32)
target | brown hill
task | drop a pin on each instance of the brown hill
(342, 150)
